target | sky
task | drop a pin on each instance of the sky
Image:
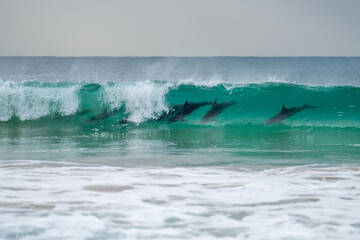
(179, 28)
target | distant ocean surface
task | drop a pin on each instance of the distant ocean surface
(86, 150)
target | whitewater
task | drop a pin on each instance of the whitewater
(71, 167)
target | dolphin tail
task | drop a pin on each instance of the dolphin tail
(123, 122)
(308, 106)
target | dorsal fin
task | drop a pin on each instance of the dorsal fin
(215, 101)
(186, 103)
(283, 108)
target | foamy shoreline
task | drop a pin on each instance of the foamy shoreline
(88, 201)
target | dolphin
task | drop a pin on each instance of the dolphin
(123, 121)
(185, 110)
(216, 109)
(105, 114)
(286, 113)
(163, 117)
(176, 113)
(172, 111)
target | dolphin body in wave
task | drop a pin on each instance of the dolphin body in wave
(168, 114)
(216, 109)
(286, 113)
(105, 114)
(185, 111)
(176, 113)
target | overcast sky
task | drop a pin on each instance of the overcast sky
(179, 28)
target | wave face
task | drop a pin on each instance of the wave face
(142, 102)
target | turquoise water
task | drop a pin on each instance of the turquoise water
(67, 164)
(56, 116)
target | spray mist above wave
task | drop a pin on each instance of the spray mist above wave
(314, 71)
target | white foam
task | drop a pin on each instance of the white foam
(142, 100)
(41, 200)
(27, 102)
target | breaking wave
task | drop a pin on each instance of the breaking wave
(141, 102)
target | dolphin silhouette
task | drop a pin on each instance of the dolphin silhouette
(165, 116)
(216, 109)
(105, 114)
(286, 113)
(184, 111)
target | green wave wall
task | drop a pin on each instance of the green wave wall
(143, 102)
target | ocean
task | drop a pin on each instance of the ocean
(88, 149)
